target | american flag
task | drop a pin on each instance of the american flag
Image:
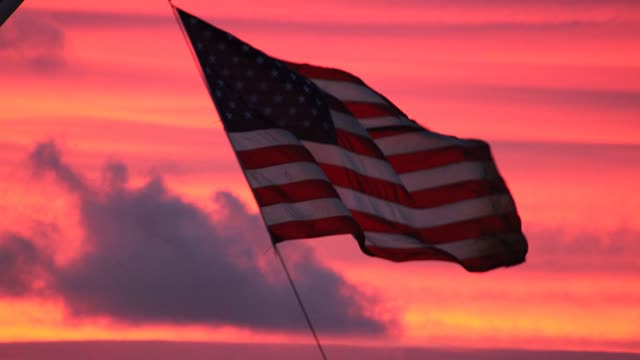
(325, 154)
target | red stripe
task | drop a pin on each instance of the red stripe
(378, 133)
(358, 144)
(363, 110)
(476, 264)
(294, 192)
(466, 190)
(381, 189)
(273, 155)
(314, 228)
(475, 228)
(428, 159)
(317, 72)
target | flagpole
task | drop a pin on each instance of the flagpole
(273, 243)
(302, 307)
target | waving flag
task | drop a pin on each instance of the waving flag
(325, 154)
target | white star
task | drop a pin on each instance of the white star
(232, 104)
(325, 125)
(260, 60)
(278, 98)
(199, 45)
(226, 72)
(274, 73)
(267, 110)
(218, 93)
(292, 76)
(228, 115)
(292, 111)
(314, 112)
(221, 46)
(306, 123)
(253, 98)
(239, 84)
(207, 70)
(318, 101)
(212, 59)
(247, 115)
(220, 82)
(263, 85)
(235, 60)
(301, 99)
(250, 73)
(306, 89)
(288, 86)
(230, 37)
(245, 48)
(193, 21)
(207, 33)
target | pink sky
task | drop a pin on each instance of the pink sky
(553, 86)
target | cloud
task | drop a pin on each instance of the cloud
(22, 265)
(32, 39)
(564, 248)
(152, 257)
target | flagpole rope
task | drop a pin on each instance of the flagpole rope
(302, 307)
(275, 247)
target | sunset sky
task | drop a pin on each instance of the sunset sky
(125, 215)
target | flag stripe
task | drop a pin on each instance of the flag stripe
(472, 228)
(348, 91)
(284, 174)
(428, 217)
(449, 174)
(330, 225)
(294, 192)
(334, 155)
(414, 141)
(273, 156)
(303, 210)
(428, 159)
(365, 110)
(255, 139)
(461, 249)
(386, 121)
(377, 134)
(457, 192)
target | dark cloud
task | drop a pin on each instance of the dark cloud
(32, 39)
(153, 257)
(22, 265)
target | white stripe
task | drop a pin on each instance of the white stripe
(284, 174)
(394, 241)
(418, 141)
(461, 249)
(383, 121)
(425, 218)
(347, 91)
(255, 139)
(364, 165)
(348, 123)
(304, 210)
(448, 174)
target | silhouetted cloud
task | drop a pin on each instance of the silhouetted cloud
(22, 265)
(32, 39)
(153, 257)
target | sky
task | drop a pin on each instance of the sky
(126, 217)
